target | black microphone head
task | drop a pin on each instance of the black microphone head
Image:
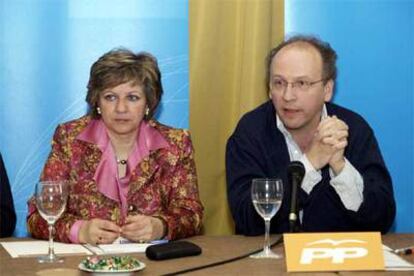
(296, 168)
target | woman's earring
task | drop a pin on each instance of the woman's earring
(147, 112)
(98, 110)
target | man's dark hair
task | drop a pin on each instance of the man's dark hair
(328, 55)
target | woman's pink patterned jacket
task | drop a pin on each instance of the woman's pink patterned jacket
(163, 184)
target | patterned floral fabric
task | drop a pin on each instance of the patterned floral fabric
(163, 184)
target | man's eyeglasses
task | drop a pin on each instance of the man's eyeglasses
(300, 85)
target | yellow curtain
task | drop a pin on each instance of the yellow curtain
(229, 40)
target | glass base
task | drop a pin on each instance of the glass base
(266, 255)
(47, 259)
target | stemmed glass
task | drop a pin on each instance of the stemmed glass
(51, 198)
(267, 195)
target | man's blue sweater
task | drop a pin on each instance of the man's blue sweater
(257, 149)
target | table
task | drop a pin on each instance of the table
(215, 248)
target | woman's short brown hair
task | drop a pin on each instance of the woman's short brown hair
(120, 66)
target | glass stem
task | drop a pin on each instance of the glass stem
(51, 253)
(266, 247)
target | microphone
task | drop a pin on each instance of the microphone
(295, 174)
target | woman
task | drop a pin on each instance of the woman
(130, 176)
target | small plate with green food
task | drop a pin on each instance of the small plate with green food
(111, 264)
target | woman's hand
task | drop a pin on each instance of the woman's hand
(97, 231)
(143, 228)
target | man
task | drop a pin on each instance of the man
(7, 213)
(346, 186)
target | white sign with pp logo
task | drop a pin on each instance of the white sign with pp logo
(334, 251)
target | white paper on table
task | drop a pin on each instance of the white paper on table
(103, 249)
(122, 245)
(37, 248)
(393, 262)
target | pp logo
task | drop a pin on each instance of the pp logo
(337, 254)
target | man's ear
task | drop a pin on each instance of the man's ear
(328, 90)
(269, 90)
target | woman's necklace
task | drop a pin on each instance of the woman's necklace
(121, 161)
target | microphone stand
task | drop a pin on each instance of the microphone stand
(296, 172)
(293, 215)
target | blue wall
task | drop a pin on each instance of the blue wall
(374, 42)
(46, 50)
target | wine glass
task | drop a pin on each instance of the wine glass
(51, 198)
(267, 195)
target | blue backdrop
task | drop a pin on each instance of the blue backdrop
(374, 42)
(46, 50)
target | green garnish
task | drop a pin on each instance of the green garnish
(114, 263)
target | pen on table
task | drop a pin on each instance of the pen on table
(125, 241)
(404, 251)
(159, 241)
